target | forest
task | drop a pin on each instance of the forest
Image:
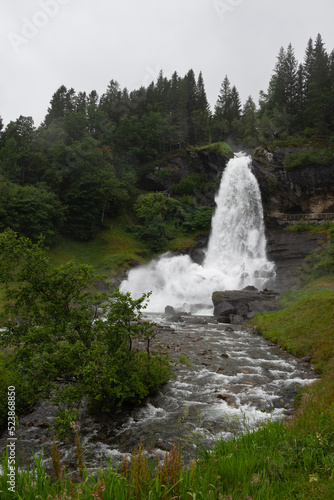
(84, 163)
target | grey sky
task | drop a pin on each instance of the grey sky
(84, 44)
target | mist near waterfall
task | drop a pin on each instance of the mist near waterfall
(235, 256)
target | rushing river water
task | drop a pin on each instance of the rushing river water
(236, 380)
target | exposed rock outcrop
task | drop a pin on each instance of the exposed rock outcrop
(234, 306)
(309, 189)
(288, 249)
(171, 171)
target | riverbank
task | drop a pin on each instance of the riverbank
(283, 461)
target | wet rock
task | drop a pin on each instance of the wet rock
(177, 318)
(305, 359)
(196, 321)
(237, 320)
(162, 445)
(224, 309)
(224, 319)
(229, 329)
(247, 300)
(242, 310)
(168, 329)
(169, 310)
(251, 288)
(224, 355)
(43, 425)
(263, 306)
(230, 400)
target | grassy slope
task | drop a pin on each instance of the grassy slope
(111, 250)
(114, 248)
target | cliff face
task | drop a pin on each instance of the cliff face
(308, 190)
(304, 190)
(206, 163)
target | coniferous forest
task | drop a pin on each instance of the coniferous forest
(85, 161)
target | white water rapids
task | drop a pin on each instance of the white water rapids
(235, 257)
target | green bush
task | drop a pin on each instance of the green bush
(188, 185)
(60, 342)
(314, 157)
(200, 219)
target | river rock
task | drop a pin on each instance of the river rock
(243, 301)
(195, 321)
(177, 318)
(237, 320)
(224, 319)
(224, 308)
(230, 400)
(169, 310)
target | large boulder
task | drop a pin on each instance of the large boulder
(238, 304)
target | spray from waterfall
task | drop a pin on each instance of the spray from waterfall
(235, 257)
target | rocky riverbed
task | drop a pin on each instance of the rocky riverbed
(235, 379)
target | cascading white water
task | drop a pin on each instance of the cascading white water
(235, 257)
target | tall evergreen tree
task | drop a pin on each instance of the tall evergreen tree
(110, 101)
(249, 122)
(62, 102)
(227, 111)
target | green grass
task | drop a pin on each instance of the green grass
(184, 360)
(306, 226)
(218, 147)
(112, 250)
(297, 327)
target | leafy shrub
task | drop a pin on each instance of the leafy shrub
(188, 185)
(314, 157)
(153, 233)
(63, 344)
(200, 219)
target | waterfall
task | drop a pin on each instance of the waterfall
(235, 257)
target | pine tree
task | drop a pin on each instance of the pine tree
(318, 109)
(110, 101)
(249, 120)
(308, 63)
(221, 126)
(201, 98)
(320, 67)
(62, 102)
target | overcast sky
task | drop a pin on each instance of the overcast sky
(85, 43)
